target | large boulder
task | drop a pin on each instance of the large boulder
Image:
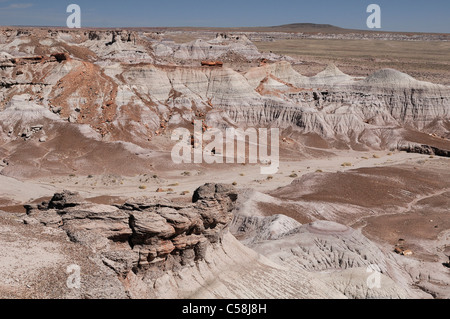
(211, 191)
(143, 237)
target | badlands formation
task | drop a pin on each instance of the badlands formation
(87, 179)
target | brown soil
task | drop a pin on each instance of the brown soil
(367, 187)
(424, 60)
(106, 200)
(426, 139)
(97, 116)
(426, 222)
(13, 209)
(291, 211)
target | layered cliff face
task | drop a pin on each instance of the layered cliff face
(386, 97)
(135, 100)
(215, 49)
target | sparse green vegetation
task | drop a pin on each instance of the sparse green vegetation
(293, 175)
(346, 164)
(142, 187)
(319, 171)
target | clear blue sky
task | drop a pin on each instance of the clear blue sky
(397, 15)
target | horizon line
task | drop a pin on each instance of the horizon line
(323, 25)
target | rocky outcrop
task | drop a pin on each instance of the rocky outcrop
(142, 237)
(424, 149)
(61, 56)
(208, 50)
(143, 242)
(139, 81)
(330, 104)
(166, 250)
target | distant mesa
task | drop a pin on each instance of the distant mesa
(212, 63)
(308, 27)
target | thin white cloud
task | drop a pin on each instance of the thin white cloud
(20, 5)
(17, 5)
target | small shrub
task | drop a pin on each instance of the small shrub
(346, 164)
(269, 177)
(234, 183)
(142, 187)
(375, 156)
(319, 171)
(293, 175)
